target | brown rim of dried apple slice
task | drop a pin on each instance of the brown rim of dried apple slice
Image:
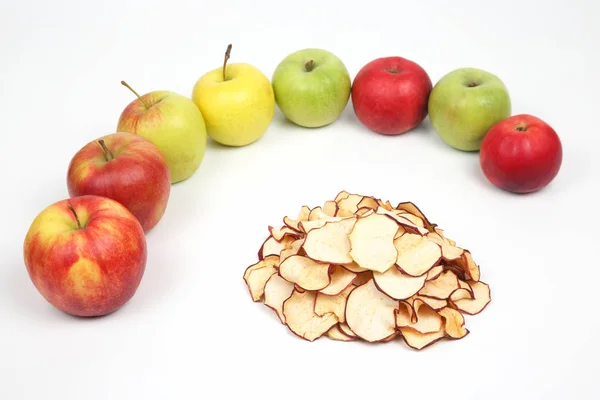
(305, 272)
(433, 272)
(468, 265)
(330, 243)
(277, 291)
(370, 314)
(441, 287)
(362, 278)
(454, 323)
(434, 303)
(416, 254)
(404, 315)
(340, 196)
(397, 284)
(418, 340)
(340, 280)
(335, 333)
(257, 275)
(372, 242)
(481, 298)
(301, 319)
(325, 304)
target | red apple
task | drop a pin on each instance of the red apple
(521, 154)
(127, 168)
(86, 255)
(390, 95)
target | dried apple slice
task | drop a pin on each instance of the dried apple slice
(348, 205)
(468, 265)
(428, 319)
(432, 273)
(330, 208)
(354, 267)
(401, 231)
(334, 333)
(441, 287)
(345, 329)
(302, 216)
(414, 210)
(305, 272)
(368, 202)
(402, 221)
(454, 323)
(460, 294)
(277, 290)
(481, 298)
(341, 279)
(397, 284)
(362, 278)
(418, 340)
(330, 242)
(336, 304)
(341, 195)
(370, 314)
(372, 242)
(386, 205)
(257, 275)
(405, 315)
(416, 254)
(280, 234)
(365, 211)
(449, 252)
(294, 249)
(301, 319)
(436, 304)
(272, 247)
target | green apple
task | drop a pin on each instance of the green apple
(312, 87)
(464, 104)
(173, 123)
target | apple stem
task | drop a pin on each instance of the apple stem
(309, 65)
(75, 215)
(134, 92)
(227, 55)
(107, 153)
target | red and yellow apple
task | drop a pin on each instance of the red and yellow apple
(521, 154)
(86, 255)
(390, 95)
(127, 168)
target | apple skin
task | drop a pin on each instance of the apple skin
(314, 96)
(239, 110)
(174, 124)
(136, 175)
(89, 271)
(521, 154)
(464, 104)
(390, 95)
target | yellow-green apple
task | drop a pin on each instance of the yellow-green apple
(465, 103)
(124, 167)
(173, 123)
(86, 255)
(312, 87)
(236, 101)
(390, 94)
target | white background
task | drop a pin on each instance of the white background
(192, 331)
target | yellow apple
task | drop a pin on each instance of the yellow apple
(236, 101)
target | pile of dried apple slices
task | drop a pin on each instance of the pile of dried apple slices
(359, 269)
